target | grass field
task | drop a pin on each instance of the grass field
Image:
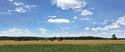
(64, 48)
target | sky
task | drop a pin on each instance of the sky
(62, 18)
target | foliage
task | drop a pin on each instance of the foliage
(51, 38)
(114, 37)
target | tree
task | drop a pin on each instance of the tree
(59, 38)
(52, 39)
(114, 37)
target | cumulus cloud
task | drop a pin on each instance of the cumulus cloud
(87, 28)
(43, 30)
(52, 16)
(23, 32)
(70, 4)
(105, 28)
(120, 21)
(11, 0)
(21, 7)
(16, 32)
(75, 5)
(75, 17)
(86, 13)
(58, 21)
(108, 30)
(84, 19)
(115, 25)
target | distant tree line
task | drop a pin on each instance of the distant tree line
(58, 38)
(50, 38)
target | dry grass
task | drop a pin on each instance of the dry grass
(10, 42)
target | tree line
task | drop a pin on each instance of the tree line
(57, 38)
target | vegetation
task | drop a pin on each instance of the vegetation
(64, 48)
(59, 38)
(51, 38)
(114, 37)
(83, 38)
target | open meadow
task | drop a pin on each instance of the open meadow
(63, 46)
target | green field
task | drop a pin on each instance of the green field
(64, 48)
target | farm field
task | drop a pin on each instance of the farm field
(11, 42)
(64, 48)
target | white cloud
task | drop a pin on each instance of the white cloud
(87, 28)
(115, 25)
(70, 4)
(21, 7)
(75, 5)
(105, 22)
(16, 32)
(18, 3)
(108, 27)
(120, 21)
(11, 0)
(52, 16)
(43, 30)
(84, 19)
(63, 29)
(20, 10)
(59, 21)
(75, 17)
(86, 13)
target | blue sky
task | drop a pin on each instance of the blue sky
(48, 18)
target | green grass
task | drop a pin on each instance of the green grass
(64, 48)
